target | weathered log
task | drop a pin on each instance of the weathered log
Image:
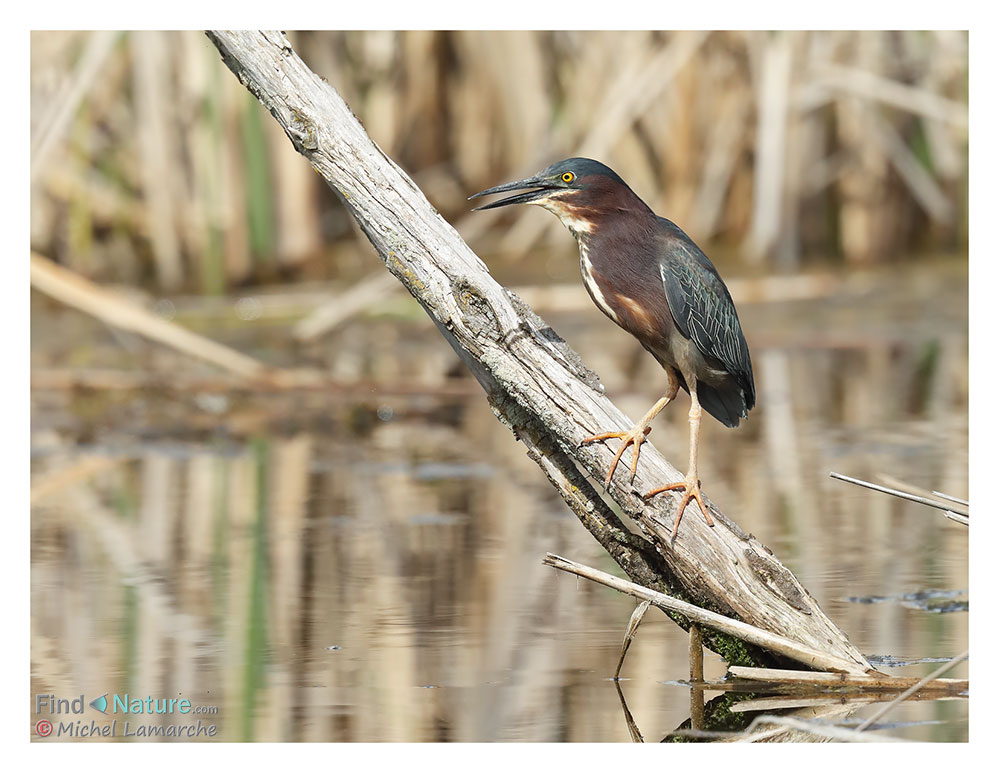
(535, 383)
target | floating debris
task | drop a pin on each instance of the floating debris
(890, 661)
(929, 600)
(937, 606)
(249, 308)
(437, 519)
(451, 471)
(853, 721)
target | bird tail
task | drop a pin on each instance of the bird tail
(727, 404)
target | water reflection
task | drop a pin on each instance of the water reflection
(367, 566)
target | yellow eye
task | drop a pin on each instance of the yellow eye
(568, 177)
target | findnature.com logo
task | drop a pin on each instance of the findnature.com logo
(131, 709)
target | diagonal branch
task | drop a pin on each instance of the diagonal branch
(535, 383)
(780, 644)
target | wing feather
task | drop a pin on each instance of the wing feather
(702, 308)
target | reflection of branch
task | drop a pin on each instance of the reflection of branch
(695, 653)
(820, 679)
(837, 698)
(636, 734)
(737, 628)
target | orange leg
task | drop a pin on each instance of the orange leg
(690, 485)
(637, 434)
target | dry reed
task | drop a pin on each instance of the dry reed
(150, 166)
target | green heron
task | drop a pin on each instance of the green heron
(650, 278)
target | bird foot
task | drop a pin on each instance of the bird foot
(633, 437)
(691, 488)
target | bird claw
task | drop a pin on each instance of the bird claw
(633, 437)
(691, 490)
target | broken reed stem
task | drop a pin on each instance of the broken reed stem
(961, 519)
(59, 115)
(82, 294)
(54, 481)
(736, 628)
(900, 494)
(633, 623)
(344, 306)
(960, 501)
(112, 309)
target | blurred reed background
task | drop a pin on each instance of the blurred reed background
(153, 166)
(361, 561)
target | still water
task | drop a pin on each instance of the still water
(366, 565)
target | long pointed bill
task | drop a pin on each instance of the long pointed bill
(544, 188)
